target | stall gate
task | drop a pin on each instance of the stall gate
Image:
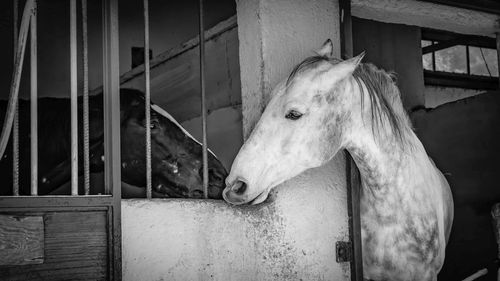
(74, 236)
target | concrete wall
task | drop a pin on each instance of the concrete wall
(290, 238)
(463, 139)
(425, 14)
(274, 36)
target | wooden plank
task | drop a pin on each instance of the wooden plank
(75, 248)
(54, 201)
(21, 240)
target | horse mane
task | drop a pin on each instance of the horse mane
(385, 97)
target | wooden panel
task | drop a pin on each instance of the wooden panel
(75, 249)
(21, 240)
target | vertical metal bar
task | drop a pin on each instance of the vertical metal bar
(201, 33)
(147, 100)
(16, 77)
(15, 130)
(467, 58)
(352, 172)
(433, 58)
(498, 57)
(111, 89)
(74, 101)
(86, 147)
(34, 102)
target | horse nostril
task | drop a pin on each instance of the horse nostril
(239, 187)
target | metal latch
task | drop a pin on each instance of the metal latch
(343, 251)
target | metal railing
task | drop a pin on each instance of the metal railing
(29, 23)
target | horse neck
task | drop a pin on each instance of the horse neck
(382, 159)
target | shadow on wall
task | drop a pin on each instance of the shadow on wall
(463, 139)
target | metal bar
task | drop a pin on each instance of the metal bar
(15, 132)
(74, 101)
(433, 58)
(201, 33)
(86, 145)
(147, 100)
(352, 172)
(111, 89)
(34, 102)
(498, 56)
(467, 58)
(16, 77)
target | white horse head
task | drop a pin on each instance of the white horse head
(303, 126)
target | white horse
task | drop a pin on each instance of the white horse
(327, 105)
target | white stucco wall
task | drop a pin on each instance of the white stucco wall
(290, 238)
(274, 36)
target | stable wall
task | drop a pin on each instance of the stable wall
(292, 237)
(463, 139)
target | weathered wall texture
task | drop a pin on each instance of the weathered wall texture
(291, 238)
(274, 36)
(395, 48)
(436, 96)
(463, 139)
(425, 14)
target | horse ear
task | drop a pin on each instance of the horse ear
(355, 61)
(326, 50)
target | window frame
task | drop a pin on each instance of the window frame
(462, 80)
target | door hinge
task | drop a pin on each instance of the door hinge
(343, 251)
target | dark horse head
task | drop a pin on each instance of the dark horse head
(176, 157)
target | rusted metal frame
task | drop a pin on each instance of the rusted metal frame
(34, 101)
(86, 133)
(74, 100)
(111, 89)
(55, 201)
(201, 33)
(147, 98)
(352, 172)
(15, 129)
(16, 77)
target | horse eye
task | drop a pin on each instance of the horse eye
(293, 115)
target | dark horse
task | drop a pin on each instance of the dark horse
(176, 155)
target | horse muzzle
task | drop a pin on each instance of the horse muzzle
(236, 193)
